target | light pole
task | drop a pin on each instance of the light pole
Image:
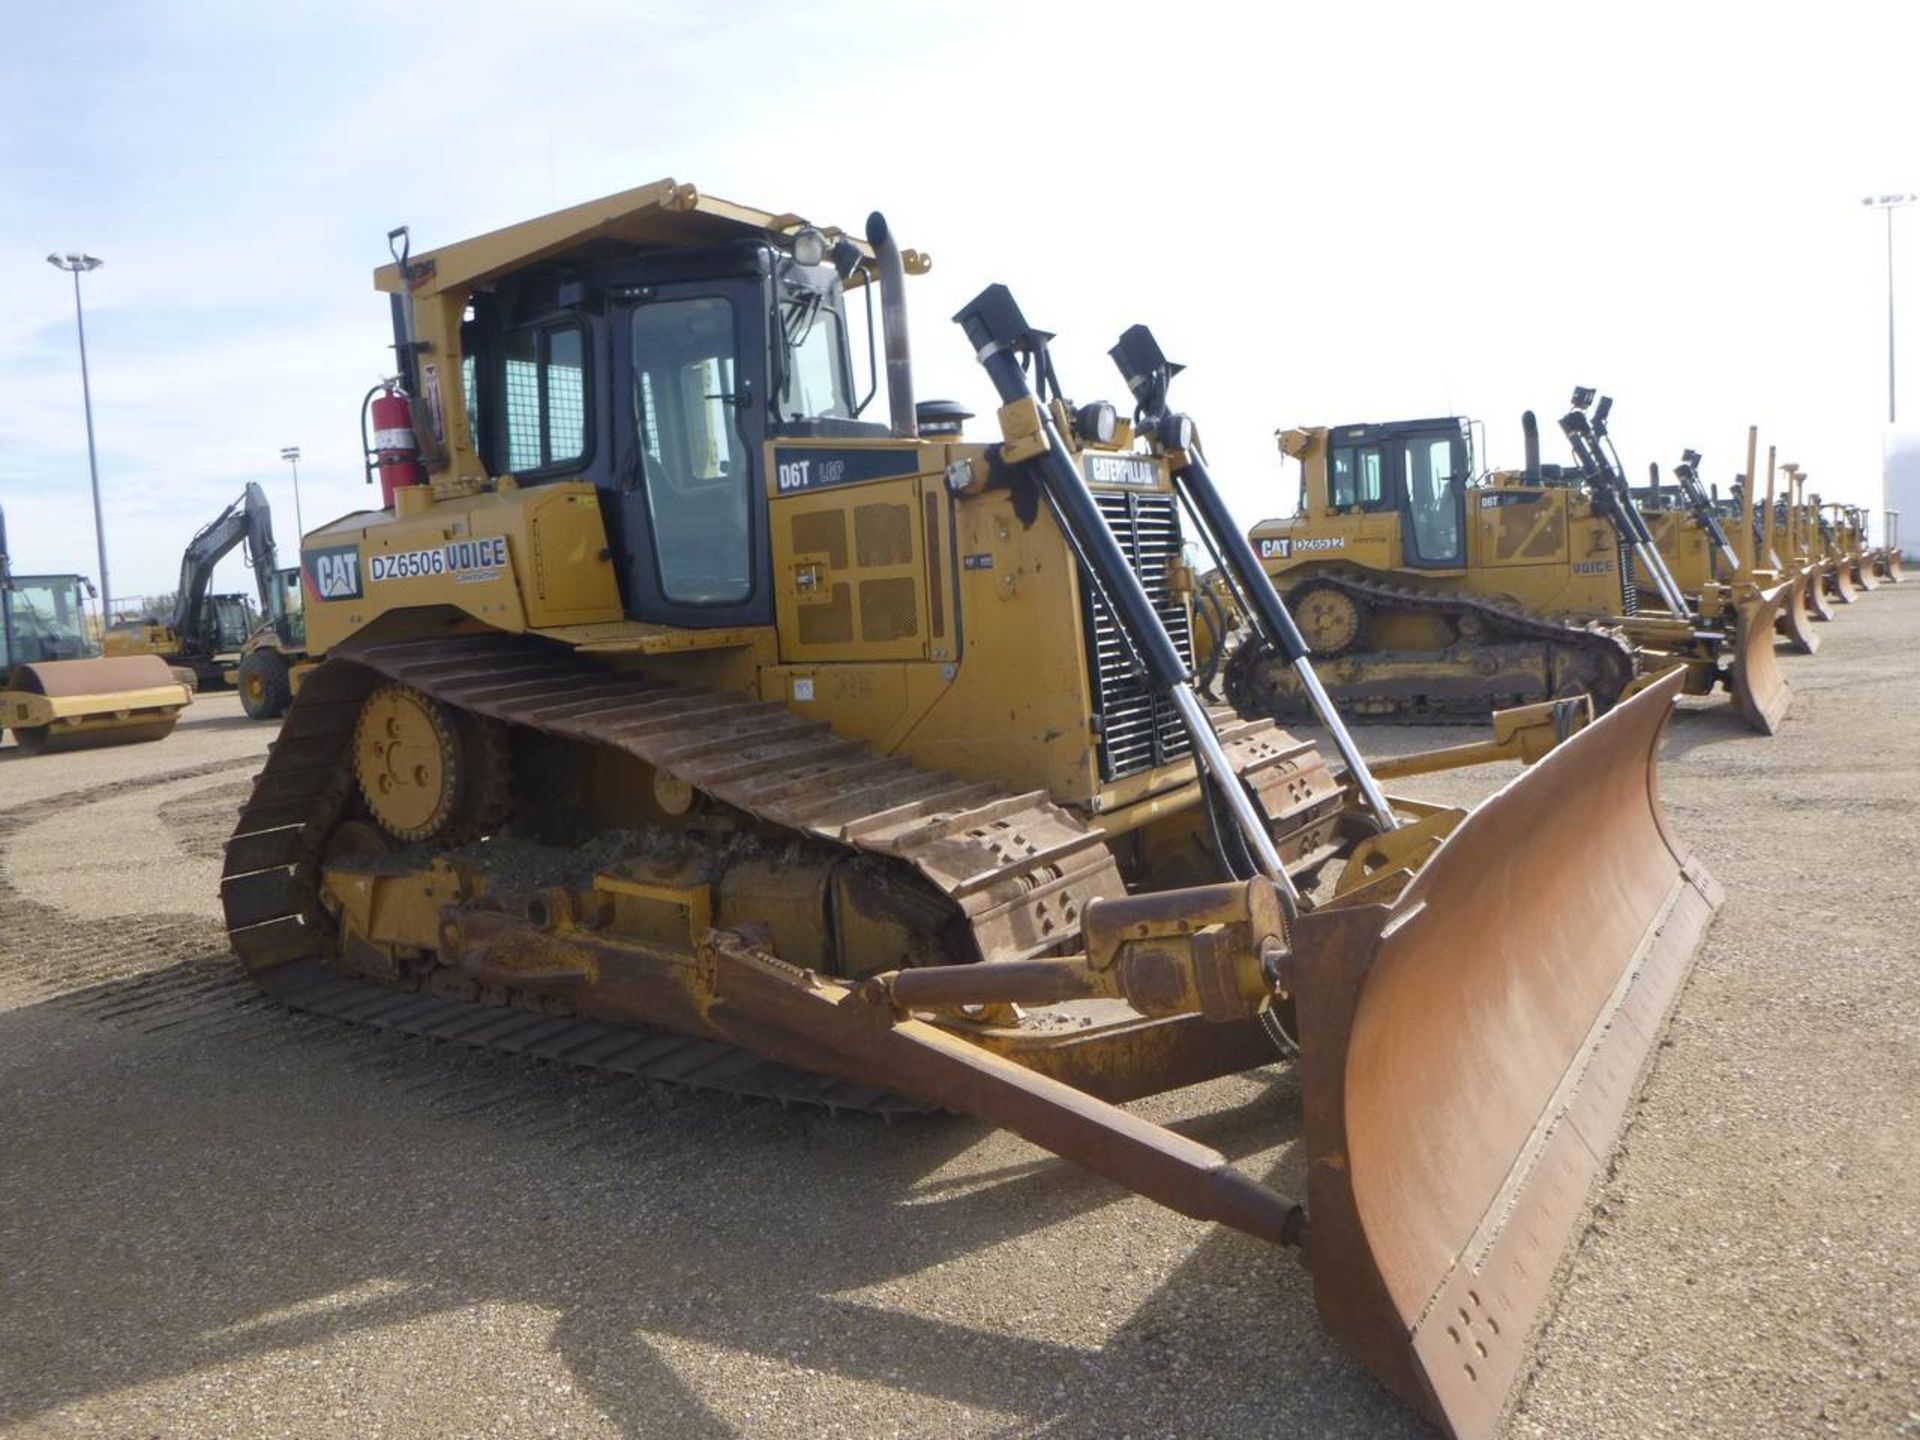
(1889, 203)
(291, 454)
(76, 264)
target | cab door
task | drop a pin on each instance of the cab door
(690, 405)
(1433, 490)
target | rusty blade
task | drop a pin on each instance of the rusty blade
(1759, 685)
(1838, 585)
(1860, 570)
(1795, 622)
(1813, 580)
(1468, 1065)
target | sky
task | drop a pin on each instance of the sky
(1330, 214)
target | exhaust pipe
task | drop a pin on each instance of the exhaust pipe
(1530, 433)
(893, 321)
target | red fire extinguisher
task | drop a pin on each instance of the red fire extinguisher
(394, 449)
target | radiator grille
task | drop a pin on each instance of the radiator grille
(1137, 730)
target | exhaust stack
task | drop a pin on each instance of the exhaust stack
(893, 322)
(1530, 434)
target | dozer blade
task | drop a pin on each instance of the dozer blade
(1860, 571)
(1891, 561)
(1795, 621)
(1814, 584)
(1759, 685)
(1469, 1055)
(1838, 585)
(80, 704)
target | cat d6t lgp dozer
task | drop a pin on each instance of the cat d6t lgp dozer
(673, 718)
(1429, 596)
(1694, 531)
(1886, 560)
(56, 693)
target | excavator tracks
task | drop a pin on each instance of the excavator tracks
(1017, 867)
(1575, 657)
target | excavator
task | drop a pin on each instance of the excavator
(672, 715)
(56, 693)
(206, 633)
(1428, 596)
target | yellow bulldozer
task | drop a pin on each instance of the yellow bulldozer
(1886, 559)
(675, 716)
(57, 693)
(1695, 532)
(1428, 595)
(1853, 558)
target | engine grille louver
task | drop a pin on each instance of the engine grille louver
(1137, 730)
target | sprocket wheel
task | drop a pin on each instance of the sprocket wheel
(1331, 621)
(427, 772)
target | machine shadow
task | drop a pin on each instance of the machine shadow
(265, 1181)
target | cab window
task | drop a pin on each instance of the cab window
(1358, 477)
(815, 385)
(543, 397)
(693, 461)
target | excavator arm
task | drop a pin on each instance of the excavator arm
(247, 519)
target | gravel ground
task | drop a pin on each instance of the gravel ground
(220, 1219)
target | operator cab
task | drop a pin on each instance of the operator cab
(1418, 468)
(660, 377)
(229, 622)
(42, 617)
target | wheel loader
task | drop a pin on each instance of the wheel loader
(58, 694)
(1429, 596)
(674, 716)
(274, 658)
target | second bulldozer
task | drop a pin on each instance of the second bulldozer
(674, 717)
(1428, 595)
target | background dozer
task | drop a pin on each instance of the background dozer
(673, 716)
(55, 692)
(1886, 559)
(206, 633)
(1698, 537)
(1428, 595)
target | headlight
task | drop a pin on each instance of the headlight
(1176, 432)
(809, 247)
(1096, 424)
